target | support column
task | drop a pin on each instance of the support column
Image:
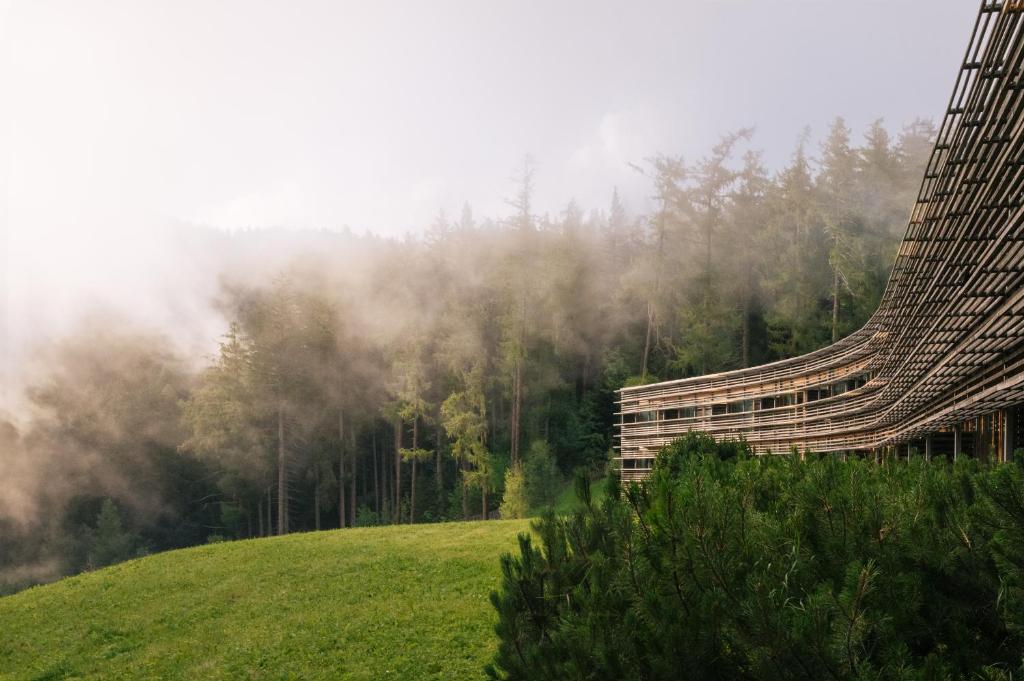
(957, 442)
(978, 437)
(928, 448)
(1006, 417)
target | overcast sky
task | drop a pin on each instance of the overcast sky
(118, 119)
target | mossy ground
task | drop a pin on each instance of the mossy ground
(401, 602)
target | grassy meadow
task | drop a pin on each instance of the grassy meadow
(401, 602)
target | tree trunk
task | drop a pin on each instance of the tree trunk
(483, 488)
(465, 493)
(270, 517)
(376, 477)
(547, 422)
(316, 496)
(386, 487)
(364, 486)
(282, 482)
(397, 511)
(259, 513)
(517, 408)
(352, 490)
(412, 494)
(513, 430)
(341, 468)
(412, 483)
(655, 290)
(748, 296)
(835, 297)
(745, 343)
(440, 460)
(497, 414)
(647, 340)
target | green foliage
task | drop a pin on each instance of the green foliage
(725, 565)
(634, 381)
(464, 415)
(109, 542)
(418, 454)
(224, 417)
(366, 517)
(543, 479)
(402, 602)
(501, 332)
(514, 502)
(569, 501)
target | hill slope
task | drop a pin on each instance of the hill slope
(403, 602)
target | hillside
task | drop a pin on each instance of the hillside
(403, 602)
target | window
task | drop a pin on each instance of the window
(741, 406)
(819, 393)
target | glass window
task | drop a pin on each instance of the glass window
(741, 406)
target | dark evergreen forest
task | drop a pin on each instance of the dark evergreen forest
(452, 374)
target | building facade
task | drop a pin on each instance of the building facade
(940, 365)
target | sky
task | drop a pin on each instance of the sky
(123, 121)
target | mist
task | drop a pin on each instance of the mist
(251, 255)
(271, 370)
(126, 125)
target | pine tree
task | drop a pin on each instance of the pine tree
(109, 542)
(724, 565)
(836, 186)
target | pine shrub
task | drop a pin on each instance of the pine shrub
(728, 566)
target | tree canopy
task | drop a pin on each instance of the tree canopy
(362, 379)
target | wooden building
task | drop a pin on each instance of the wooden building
(940, 365)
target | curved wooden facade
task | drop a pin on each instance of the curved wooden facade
(941, 362)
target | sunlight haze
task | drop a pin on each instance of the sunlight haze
(126, 121)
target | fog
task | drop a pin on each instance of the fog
(124, 121)
(162, 161)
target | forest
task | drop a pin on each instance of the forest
(463, 372)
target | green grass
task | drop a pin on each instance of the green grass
(405, 602)
(567, 501)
